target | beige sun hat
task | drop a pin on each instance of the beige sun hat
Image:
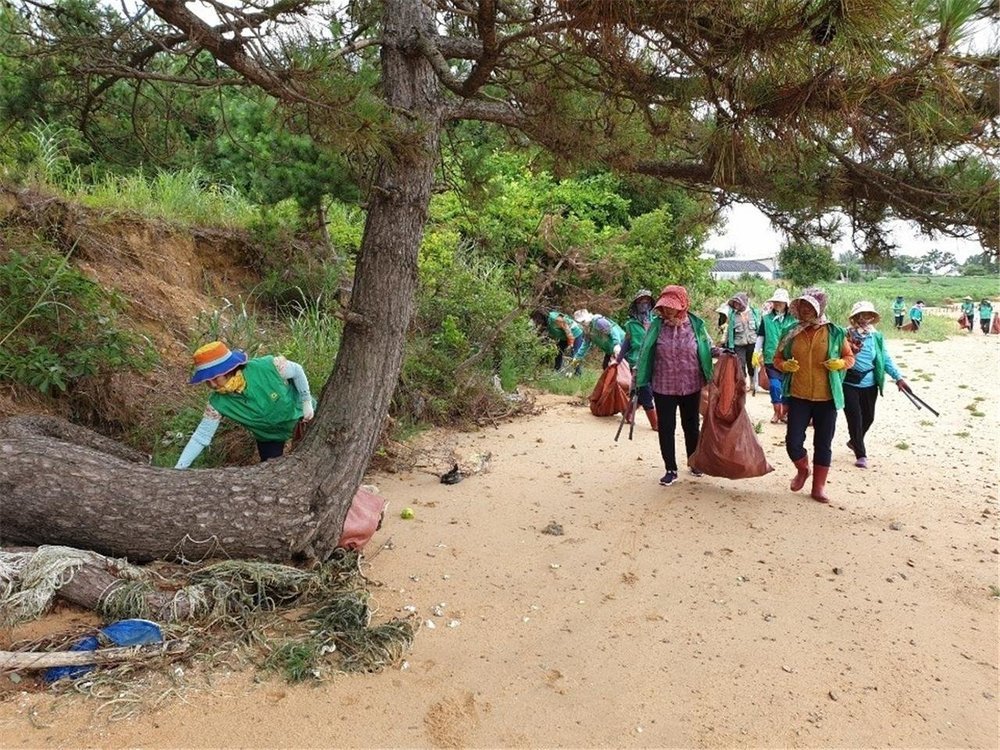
(780, 295)
(723, 309)
(864, 306)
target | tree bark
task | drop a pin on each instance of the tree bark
(56, 490)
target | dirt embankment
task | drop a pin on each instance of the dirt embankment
(706, 614)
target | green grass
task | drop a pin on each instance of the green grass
(553, 382)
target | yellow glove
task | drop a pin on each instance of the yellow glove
(757, 359)
(790, 365)
(835, 364)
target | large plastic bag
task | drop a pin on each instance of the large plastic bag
(364, 518)
(727, 446)
(610, 395)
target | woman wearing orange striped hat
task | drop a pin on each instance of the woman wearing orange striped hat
(267, 395)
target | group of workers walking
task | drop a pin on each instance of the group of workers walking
(815, 367)
(968, 308)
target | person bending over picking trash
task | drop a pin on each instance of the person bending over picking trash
(267, 395)
(565, 332)
(676, 361)
(813, 355)
(864, 380)
(602, 332)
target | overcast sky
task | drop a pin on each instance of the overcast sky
(751, 234)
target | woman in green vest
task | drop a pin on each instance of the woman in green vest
(772, 325)
(813, 354)
(602, 332)
(968, 312)
(863, 381)
(741, 330)
(565, 332)
(639, 317)
(676, 362)
(267, 395)
(985, 315)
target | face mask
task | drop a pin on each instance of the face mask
(643, 307)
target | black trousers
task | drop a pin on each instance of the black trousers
(666, 411)
(859, 408)
(824, 418)
(270, 449)
(745, 353)
(899, 321)
(984, 324)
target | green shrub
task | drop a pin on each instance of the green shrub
(58, 327)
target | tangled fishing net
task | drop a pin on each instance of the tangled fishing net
(306, 624)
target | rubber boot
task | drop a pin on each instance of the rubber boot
(819, 483)
(654, 421)
(799, 480)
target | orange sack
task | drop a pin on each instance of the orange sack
(610, 395)
(727, 446)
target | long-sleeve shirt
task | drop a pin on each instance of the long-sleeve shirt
(811, 349)
(676, 370)
(211, 418)
(864, 361)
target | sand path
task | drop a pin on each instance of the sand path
(707, 614)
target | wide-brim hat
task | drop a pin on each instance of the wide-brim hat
(780, 295)
(723, 309)
(674, 297)
(643, 294)
(864, 306)
(583, 315)
(967, 297)
(214, 359)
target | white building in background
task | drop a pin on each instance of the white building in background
(731, 268)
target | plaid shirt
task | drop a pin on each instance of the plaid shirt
(676, 370)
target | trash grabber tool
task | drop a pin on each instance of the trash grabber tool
(918, 402)
(633, 400)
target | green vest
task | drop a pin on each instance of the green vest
(879, 360)
(985, 311)
(773, 331)
(635, 331)
(898, 308)
(835, 341)
(605, 342)
(968, 308)
(557, 333)
(269, 406)
(644, 371)
(731, 325)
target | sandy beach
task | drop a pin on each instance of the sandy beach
(707, 614)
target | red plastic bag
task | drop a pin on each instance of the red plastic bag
(763, 381)
(364, 518)
(610, 395)
(995, 326)
(727, 445)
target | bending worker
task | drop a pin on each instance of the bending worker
(267, 395)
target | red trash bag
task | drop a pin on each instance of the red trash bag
(964, 324)
(995, 326)
(727, 445)
(763, 381)
(911, 326)
(610, 395)
(364, 518)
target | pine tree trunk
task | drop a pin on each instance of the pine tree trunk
(56, 488)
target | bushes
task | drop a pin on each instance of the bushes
(57, 327)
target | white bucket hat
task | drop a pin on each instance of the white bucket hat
(723, 309)
(864, 306)
(583, 316)
(780, 295)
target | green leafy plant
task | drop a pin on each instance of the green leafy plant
(57, 326)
